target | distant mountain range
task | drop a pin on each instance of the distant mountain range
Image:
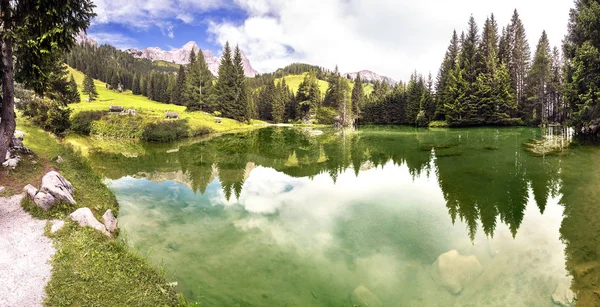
(182, 56)
(369, 76)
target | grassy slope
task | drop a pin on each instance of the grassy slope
(147, 107)
(89, 269)
(293, 81)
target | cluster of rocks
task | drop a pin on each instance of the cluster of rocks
(55, 188)
(13, 158)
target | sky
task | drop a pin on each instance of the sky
(390, 37)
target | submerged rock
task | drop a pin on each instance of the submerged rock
(110, 221)
(563, 296)
(454, 271)
(59, 187)
(44, 200)
(363, 297)
(84, 217)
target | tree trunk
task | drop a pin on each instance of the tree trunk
(7, 111)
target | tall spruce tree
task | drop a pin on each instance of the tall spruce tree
(89, 88)
(557, 107)
(518, 57)
(135, 87)
(582, 66)
(225, 91)
(358, 96)
(179, 87)
(72, 92)
(241, 102)
(443, 78)
(198, 83)
(536, 107)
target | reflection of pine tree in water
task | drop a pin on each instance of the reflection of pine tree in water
(478, 185)
(580, 228)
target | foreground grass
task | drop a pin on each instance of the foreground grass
(90, 269)
(149, 108)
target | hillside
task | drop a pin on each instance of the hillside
(147, 107)
(293, 81)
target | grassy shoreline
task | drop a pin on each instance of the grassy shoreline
(89, 269)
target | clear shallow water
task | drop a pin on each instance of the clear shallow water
(281, 217)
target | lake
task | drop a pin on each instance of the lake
(295, 217)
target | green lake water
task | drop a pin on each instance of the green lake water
(292, 217)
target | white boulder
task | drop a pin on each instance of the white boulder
(44, 200)
(30, 191)
(19, 134)
(59, 187)
(2, 189)
(7, 155)
(363, 297)
(59, 159)
(454, 271)
(12, 163)
(84, 217)
(57, 225)
(110, 221)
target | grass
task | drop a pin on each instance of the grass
(89, 269)
(293, 81)
(439, 124)
(148, 108)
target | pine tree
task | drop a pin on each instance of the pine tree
(536, 107)
(557, 108)
(414, 98)
(443, 78)
(358, 96)
(179, 86)
(73, 93)
(278, 109)
(429, 104)
(582, 66)
(198, 83)
(225, 91)
(308, 98)
(519, 54)
(241, 103)
(89, 88)
(135, 87)
(266, 101)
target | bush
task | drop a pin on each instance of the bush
(165, 131)
(438, 124)
(120, 126)
(326, 116)
(45, 113)
(203, 130)
(82, 122)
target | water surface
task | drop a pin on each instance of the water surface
(289, 217)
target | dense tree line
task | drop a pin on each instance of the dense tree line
(485, 78)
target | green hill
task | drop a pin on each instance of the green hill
(293, 81)
(147, 107)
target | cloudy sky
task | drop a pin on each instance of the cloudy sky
(390, 37)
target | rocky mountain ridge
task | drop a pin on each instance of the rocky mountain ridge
(369, 76)
(182, 56)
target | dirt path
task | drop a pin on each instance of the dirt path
(24, 255)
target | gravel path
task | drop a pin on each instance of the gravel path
(24, 255)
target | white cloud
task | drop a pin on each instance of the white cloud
(390, 37)
(115, 39)
(143, 14)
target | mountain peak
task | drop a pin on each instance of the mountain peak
(82, 39)
(370, 76)
(182, 56)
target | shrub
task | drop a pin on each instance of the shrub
(203, 130)
(326, 116)
(165, 131)
(120, 126)
(438, 124)
(45, 113)
(82, 122)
